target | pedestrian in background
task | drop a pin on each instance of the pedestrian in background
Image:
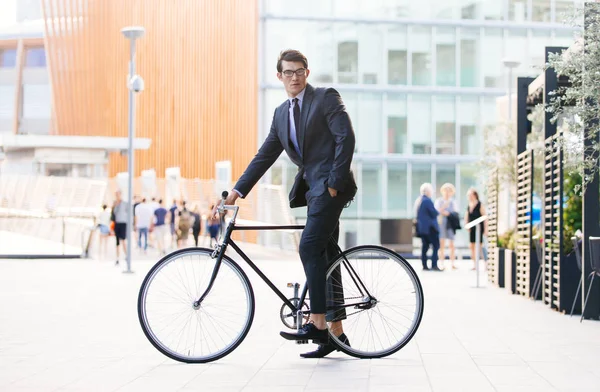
(143, 219)
(213, 225)
(197, 225)
(104, 230)
(119, 215)
(159, 227)
(475, 210)
(173, 213)
(184, 224)
(447, 220)
(427, 227)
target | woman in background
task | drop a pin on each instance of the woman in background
(446, 206)
(475, 210)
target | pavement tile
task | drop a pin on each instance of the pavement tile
(90, 339)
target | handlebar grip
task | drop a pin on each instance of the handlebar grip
(224, 195)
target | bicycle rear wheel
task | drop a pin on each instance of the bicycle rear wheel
(385, 297)
(195, 335)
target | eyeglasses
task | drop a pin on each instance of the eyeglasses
(288, 73)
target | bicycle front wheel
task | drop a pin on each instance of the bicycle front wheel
(195, 334)
(379, 299)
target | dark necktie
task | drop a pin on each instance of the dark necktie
(294, 135)
(296, 116)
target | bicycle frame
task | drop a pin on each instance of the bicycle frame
(227, 241)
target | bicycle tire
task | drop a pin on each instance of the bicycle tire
(227, 262)
(419, 296)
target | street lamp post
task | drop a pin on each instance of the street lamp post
(510, 64)
(135, 84)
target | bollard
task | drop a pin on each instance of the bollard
(477, 251)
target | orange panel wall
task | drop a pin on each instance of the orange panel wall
(199, 62)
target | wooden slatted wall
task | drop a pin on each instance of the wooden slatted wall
(198, 59)
(524, 223)
(553, 210)
(492, 213)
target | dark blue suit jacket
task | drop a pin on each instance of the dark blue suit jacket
(326, 140)
(427, 217)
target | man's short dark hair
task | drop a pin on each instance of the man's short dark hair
(160, 201)
(291, 55)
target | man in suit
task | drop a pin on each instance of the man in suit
(313, 128)
(427, 227)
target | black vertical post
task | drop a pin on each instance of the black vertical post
(591, 197)
(550, 85)
(522, 121)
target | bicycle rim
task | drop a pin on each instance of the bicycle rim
(168, 317)
(386, 327)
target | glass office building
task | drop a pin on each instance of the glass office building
(420, 81)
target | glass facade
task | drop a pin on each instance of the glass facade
(419, 80)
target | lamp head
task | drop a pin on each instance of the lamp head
(511, 63)
(133, 32)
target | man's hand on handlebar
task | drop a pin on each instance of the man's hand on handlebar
(227, 199)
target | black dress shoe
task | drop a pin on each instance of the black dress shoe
(308, 332)
(437, 269)
(326, 349)
(426, 268)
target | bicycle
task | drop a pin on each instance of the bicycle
(191, 316)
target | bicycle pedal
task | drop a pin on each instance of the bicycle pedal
(301, 341)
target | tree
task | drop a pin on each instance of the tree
(576, 105)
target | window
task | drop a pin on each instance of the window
(371, 190)
(36, 57)
(421, 173)
(492, 57)
(468, 118)
(397, 67)
(468, 179)
(470, 9)
(421, 56)
(493, 10)
(537, 50)
(468, 141)
(517, 10)
(563, 10)
(397, 195)
(518, 48)
(348, 62)
(445, 57)
(8, 58)
(540, 11)
(397, 135)
(420, 69)
(469, 67)
(445, 173)
(445, 124)
(419, 124)
(446, 70)
(368, 124)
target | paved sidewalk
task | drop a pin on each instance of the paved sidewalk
(71, 325)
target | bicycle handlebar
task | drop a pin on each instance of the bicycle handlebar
(222, 207)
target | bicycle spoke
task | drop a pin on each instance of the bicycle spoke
(389, 317)
(175, 326)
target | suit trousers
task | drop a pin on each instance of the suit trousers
(432, 239)
(318, 248)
